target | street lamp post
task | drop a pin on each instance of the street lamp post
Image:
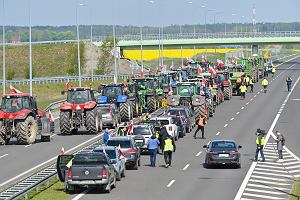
(242, 23)
(3, 50)
(233, 14)
(141, 37)
(114, 38)
(181, 50)
(78, 43)
(207, 10)
(30, 51)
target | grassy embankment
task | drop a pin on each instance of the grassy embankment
(295, 195)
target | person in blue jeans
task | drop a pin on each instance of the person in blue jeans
(153, 144)
(105, 136)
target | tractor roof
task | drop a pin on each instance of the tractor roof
(186, 83)
(143, 79)
(17, 95)
(79, 88)
(112, 85)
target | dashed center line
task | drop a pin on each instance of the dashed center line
(251, 99)
(261, 90)
(198, 154)
(186, 166)
(171, 183)
(225, 125)
(247, 103)
(254, 96)
(53, 135)
(237, 113)
(28, 145)
(242, 107)
(3, 155)
(218, 133)
(258, 92)
(232, 119)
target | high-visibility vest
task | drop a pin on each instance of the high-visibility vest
(262, 141)
(201, 121)
(243, 88)
(273, 69)
(157, 134)
(247, 79)
(265, 82)
(168, 145)
(251, 82)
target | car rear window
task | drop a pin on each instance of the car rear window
(141, 131)
(220, 145)
(111, 153)
(122, 143)
(164, 122)
(89, 158)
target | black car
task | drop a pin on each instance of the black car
(179, 121)
(188, 116)
(129, 147)
(220, 152)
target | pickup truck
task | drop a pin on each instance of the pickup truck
(86, 169)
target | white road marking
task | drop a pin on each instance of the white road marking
(185, 167)
(251, 99)
(218, 133)
(242, 108)
(263, 191)
(56, 118)
(247, 103)
(3, 155)
(237, 113)
(261, 90)
(198, 154)
(293, 167)
(81, 194)
(232, 119)
(53, 135)
(273, 170)
(258, 92)
(295, 99)
(268, 182)
(265, 186)
(225, 125)
(28, 145)
(262, 196)
(171, 183)
(254, 96)
(253, 165)
(290, 163)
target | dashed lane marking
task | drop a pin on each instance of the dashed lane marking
(3, 155)
(232, 119)
(251, 99)
(186, 166)
(28, 145)
(243, 108)
(171, 183)
(53, 135)
(237, 113)
(258, 92)
(218, 133)
(198, 154)
(225, 125)
(247, 103)
(81, 194)
(254, 96)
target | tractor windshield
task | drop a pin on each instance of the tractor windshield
(185, 90)
(79, 96)
(142, 85)
(112, 91)
(14, 104)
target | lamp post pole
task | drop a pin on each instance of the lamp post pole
(3, 49)
(30, 51)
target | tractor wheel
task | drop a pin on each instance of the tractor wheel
(185, 102)
(227, 93)
(27, 131)
(3, 139)
(125, 111)
(64, 122)
(92, 121)
(151, 104)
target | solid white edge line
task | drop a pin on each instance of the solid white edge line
(186, 166)
(171, 183)
(270, 132)
(48, 161)
(81, 194)
(198, 154)
(3, 155)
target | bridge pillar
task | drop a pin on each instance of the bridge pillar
(254, 49)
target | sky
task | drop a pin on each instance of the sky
(146, 12)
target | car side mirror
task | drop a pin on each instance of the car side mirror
(62, 92)
(204, 146)
(239, 146)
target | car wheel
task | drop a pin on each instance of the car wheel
(123, 172)
(238, 166)
(135, 167)
(139, 162)
(118, 176)
(115, 182)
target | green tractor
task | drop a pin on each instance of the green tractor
(149, 91)
(187, 95)
(236, 79)
(166, 80)
(250, 68)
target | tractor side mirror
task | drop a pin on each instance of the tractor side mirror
(239, 146)
(204, 146)
(62, 92)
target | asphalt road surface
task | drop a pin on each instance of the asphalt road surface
(187, 179)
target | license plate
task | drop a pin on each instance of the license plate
(223, 155)
(141, 141)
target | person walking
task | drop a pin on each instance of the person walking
(251, 84)
(243, 90)
(163, 134)
(273, 70)
(105, 136)
(153, 145)
(280, 143)
(265, 84)
(247, 81)
(260, 141)
(289, 83)
(169, 148)
(201, 125)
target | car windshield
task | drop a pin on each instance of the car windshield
(110, 91)
(14, 104)
(145, 84)
(88, 158)
(223, 146)
(141, 131)
(123, 143)
(185, 90)
(78, 96)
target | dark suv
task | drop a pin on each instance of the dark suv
(129, 147)
(181, 124)
(184, 111)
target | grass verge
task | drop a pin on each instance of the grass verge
(53, 190)
(295, 195)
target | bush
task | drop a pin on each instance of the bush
(27, 72)
(10, 74)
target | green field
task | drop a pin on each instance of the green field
(295, 195)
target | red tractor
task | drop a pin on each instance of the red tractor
(20, 118)
(80, 110)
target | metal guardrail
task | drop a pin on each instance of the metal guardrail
(64, 79)
(29, 183)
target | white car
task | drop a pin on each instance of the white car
(169, 124)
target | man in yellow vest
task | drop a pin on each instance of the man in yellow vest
(260, 141)
(273, 70)
(247, 80)
(251, 84)
(243, 90)
(265, 84)
(169, 148)
(201, 125)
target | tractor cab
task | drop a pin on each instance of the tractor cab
(111, 92)
(79, 95)
(16, 102)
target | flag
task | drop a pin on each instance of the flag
(170, 87)
(62, 151)
(142, 73)
(204, 59)
(51, 116)
(199, 70)
(150, 71)
(157, 71)
(212, 71)
(130, 129)
(220, 63)
(121, 152)
(132, 75)
(14, 90)
(68, 85)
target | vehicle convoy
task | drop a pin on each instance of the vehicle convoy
(144, 130)
(80, 110)
(219, 152)
(168, 122)
(188, 95)
(87, 169)
(223, 79)
(121, 97)
(20, 118)
(186, 113)
(110, 114)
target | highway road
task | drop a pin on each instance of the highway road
(235, 119)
